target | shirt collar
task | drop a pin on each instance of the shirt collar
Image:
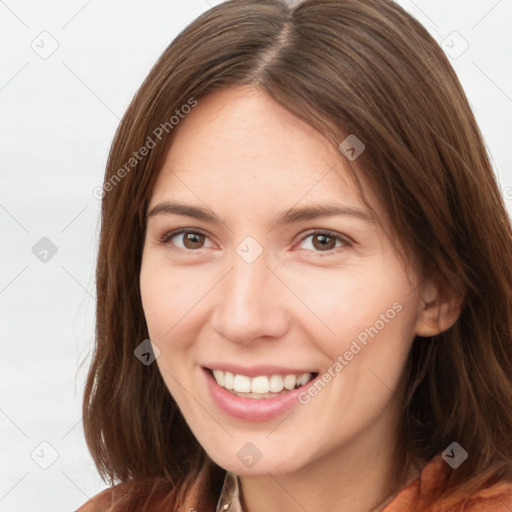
(229, 500)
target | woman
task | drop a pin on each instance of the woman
(300, 214)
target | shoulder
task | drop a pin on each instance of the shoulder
(476, 495)
(199, 491)
(470, 497)
(127, 496)
(102, 502)
(495, 498)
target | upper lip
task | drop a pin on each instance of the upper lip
(257, 370)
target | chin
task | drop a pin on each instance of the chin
(249, 460)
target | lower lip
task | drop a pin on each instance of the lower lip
(252, 409)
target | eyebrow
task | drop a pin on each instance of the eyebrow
(285, 217)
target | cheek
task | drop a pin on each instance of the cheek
(164, 301)
(174, 311)
(356, 304)
(168, 297)
(371, 355)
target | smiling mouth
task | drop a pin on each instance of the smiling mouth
(262, 386)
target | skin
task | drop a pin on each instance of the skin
(246, 158)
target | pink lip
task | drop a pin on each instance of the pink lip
(251, 409)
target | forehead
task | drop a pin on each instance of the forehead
(238, 146)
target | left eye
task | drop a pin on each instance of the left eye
(324, 241)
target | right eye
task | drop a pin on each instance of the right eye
(191, 239)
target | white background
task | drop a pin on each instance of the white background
(58, 117)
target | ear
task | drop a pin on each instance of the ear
(439, 309)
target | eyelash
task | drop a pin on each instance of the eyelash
(166, 238)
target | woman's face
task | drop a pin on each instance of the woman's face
(263, 290)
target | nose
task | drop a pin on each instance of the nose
(250, 303)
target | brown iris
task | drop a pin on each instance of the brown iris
(331, 242)
(193, 240)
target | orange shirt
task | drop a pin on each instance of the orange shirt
(434, 477)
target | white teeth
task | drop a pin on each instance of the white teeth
(303, 379)
(290, 381)
(276, 384)
(261, 385)
(242, 384)
(228, 379)
(219, 377)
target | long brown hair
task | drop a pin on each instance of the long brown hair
(345, 67)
